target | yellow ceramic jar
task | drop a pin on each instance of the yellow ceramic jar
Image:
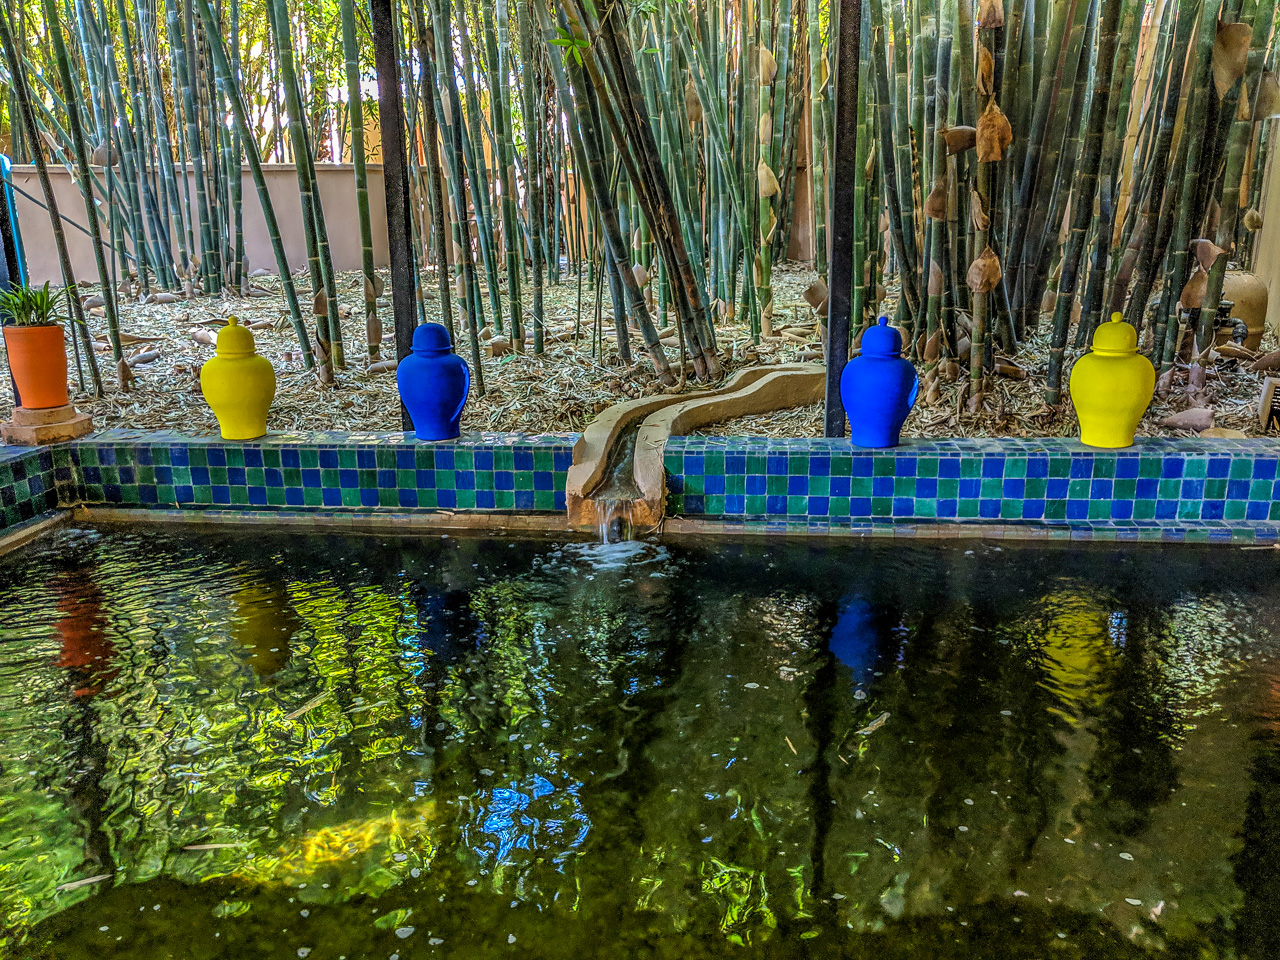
(238, 384)
(1112, 386)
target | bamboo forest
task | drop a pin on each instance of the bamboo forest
(1019, 171)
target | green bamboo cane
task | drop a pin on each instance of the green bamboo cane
(27, 120)
(355, 101)
(222, 69)
(54, 27)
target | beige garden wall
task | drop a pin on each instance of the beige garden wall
(336, 184)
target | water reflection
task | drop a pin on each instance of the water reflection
(363, 747)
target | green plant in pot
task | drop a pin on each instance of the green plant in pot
(37, 352)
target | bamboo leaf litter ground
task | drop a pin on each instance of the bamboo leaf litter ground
(566, 388)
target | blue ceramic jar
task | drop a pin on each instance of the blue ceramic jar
(878, 388)
(433, 383)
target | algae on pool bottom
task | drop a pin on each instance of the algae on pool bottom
(316, 746)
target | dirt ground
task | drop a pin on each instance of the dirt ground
(560, 391)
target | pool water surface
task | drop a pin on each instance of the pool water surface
(305, 746)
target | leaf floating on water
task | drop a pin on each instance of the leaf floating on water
(874, 725)
(77, 884)
(212, 846)
(1126, 856)
(308, 706)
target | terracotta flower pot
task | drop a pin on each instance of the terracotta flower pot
(38, 361)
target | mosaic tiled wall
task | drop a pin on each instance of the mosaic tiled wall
(492, 471)
(28, 483)
(826, 482)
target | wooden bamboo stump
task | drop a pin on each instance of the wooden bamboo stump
(33, 428)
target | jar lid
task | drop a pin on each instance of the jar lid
(1116, 337)
(431, 338)
(881, 340)
(234, 341)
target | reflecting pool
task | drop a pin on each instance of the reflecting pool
(307, 746)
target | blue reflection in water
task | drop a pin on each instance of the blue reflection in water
(537, 816)
(855, 639)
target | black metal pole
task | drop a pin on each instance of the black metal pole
(395, 173)
(842, 215)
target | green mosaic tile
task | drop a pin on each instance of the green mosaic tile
(1104, 467)
(466, 460)
(350, 496)
(756, 464)
(882, 506)
(1099, 509)
(797, 506)
(949, 488)
(292, 477)
(1189, 510)
(967, 509)
(466, 500)
(1011, 509)
(197, 457)
(1015, 467)
(821, 486)
(775, 486)
(926, 508)
(524, 481)
(861, 487)
(1055, 510)
(240, 496)
(714, 505)
(202, 494)
(309, 459)
(1144, 510)
(1195, 467)
(694, 483)
(166, 494)
(543, 459)
(904, 487)
(798, 465)
(255, 477)
(484, 479)
(713, 463)
(927, 467)
(1215, 488)
(218, 476)
(991, 488)
(1170, 489)
(385, 458)
(1124, 489)
(347, 459)
(839, 506)
(755, 505)
(428, 499)
(1235, 510)
(970, 468)
(275, 496)
(404, 478)
(504, 458)
(1260, 490)
(1034, 490)
(1274, 512)
(271, 458)
(329, 477)
(841, 465)
(544, 500)
(882, 467)
(368, 479)
(502, 499)
(1059, 467)
(235, 456)
(1241, 469)
(312, 496)
(735, 484)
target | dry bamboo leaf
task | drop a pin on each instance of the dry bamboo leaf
(1212, 216)
(200, 335)
(984, 273)
(960, 139)
(1195, 419)
(767, 181)
(641, 274)
(986, 72)
(1252, 219)
(1230, 55)
(816, 294)
(994, 134)
(932, 350)
(382, 366)
(765, 129)
(320, 304)
(1192, 295)
(824, 74)
(1206, 253)
(990, 14)
(935, 205)
(637, 239)
(692, 105)
(1267, 103)
(937, 280)
(1011, 370)
(978, 211)
(768, 66)
(869, 170)
(446, 111)
(767, 229)
(124, 375)
(104, 155)
(372, 291)
(1268, 361)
